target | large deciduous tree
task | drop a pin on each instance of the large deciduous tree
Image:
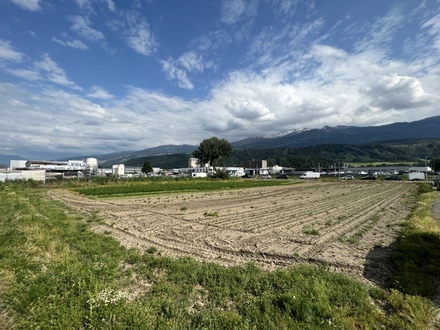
(212, 150)
(147, 168)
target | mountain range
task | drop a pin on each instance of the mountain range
(428, 128)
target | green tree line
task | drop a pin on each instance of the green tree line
(325, 155)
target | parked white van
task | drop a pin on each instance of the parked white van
(310, 175)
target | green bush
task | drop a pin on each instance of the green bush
(221, 173)
(424, 187)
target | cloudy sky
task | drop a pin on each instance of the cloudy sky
(97, 76)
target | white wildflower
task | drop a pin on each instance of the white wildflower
(107, 297)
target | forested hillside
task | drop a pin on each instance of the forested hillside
(324, 155)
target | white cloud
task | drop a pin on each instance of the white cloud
(188, 62)
(45, 69)
(8, 53)
(381, 31)
(110, 4)
(336, 88)
(293, 39)
(137, 34)
(174, 73)
(212, 41)
(99, 93)
(284, 7)
(249, 110)
(82, 26)
(28, 74)
(74, 44)
(433, 27)
(87, 4)
(81, 3)
(239, 16)
(53, 73)
(192, 61)
(32, 5)
(232, 10)
(396, 92)
(65, 121)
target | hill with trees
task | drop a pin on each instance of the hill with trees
(400, 152)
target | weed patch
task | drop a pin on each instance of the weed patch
(210, 214)
(166, 186)
(311, 231)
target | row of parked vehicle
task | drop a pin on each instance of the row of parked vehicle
(436, 181)
(373, 177)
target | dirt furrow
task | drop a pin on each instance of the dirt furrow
(273, 226)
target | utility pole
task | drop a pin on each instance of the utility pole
(256, 173)
(426, 170)
(339, 170)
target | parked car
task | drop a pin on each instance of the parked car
(393, 178)
(266, 176)
(369, 177)
(437, 183)
(282, 176)
(348, 177)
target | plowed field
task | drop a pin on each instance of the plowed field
(350, 226)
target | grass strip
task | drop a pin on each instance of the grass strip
(417, 255)
(129, 188)
(55, 273)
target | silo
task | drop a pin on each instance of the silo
(91, 162)
(91, 167)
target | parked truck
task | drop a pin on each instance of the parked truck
(310, 175)
(416, 176)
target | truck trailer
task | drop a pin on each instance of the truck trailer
(416, 176)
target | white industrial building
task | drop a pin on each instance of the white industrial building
(193, 162)
(10, 175)
(90, 164)
(118, 170)
(14, 164)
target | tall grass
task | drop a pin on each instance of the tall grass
(55, 273)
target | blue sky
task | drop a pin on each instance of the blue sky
(97, 76)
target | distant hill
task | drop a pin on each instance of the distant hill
(398, 152)
(132, 158)
(5, 159)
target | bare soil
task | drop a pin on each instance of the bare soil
(348, 226)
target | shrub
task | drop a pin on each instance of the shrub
(221, 173)
(425, 187)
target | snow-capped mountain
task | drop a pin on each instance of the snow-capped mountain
(284, 133)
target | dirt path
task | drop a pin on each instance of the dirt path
(350, 226)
